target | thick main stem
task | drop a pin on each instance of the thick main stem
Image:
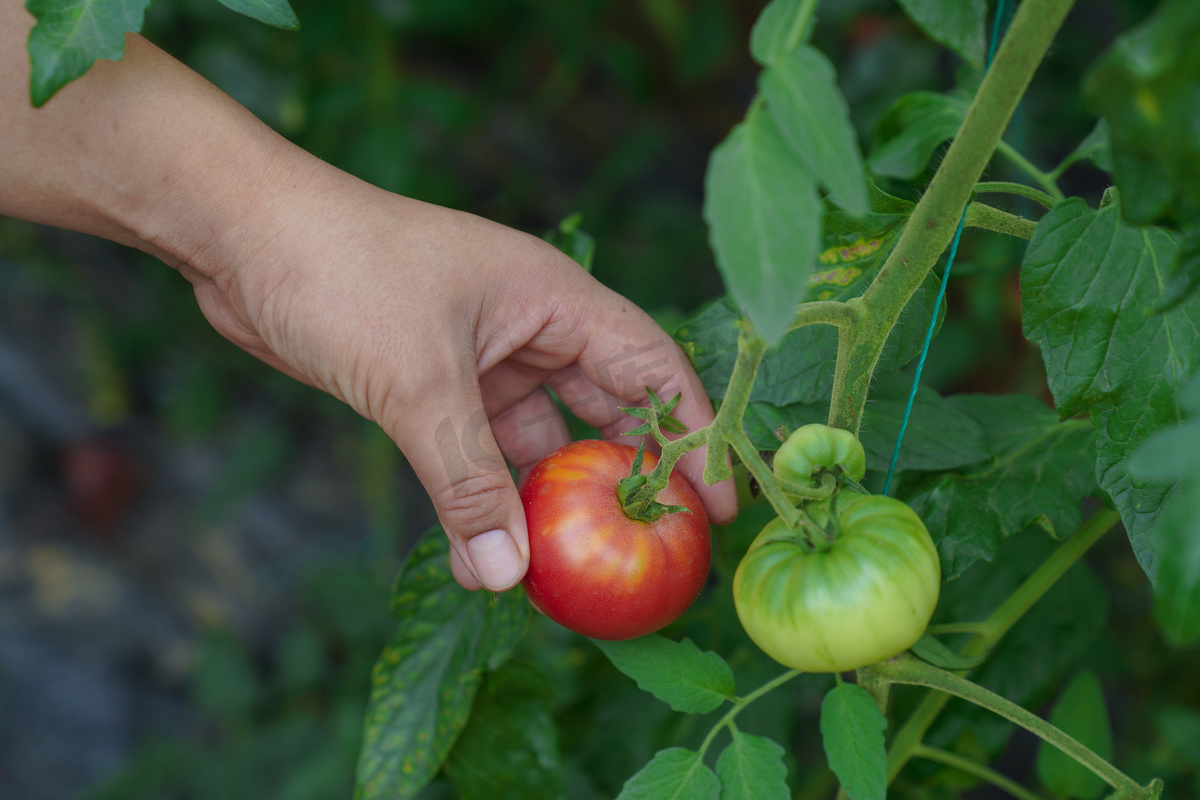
(936, 216)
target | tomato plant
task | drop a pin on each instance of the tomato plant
(899, 190)
(863, 594)
(594, 569)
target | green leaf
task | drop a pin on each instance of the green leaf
(1145, 87)
(751, 768)
(574, 241)
(909, 132)
(678, 673)
(800, 369)
(673, 774)
(1173, 454)
(1038, 472)
(957, 24)
(426, 678)
(509, 749)
(764, 218)
(852, 728)
(71, 34)
(1081, 713)
(778, 29)
(276, 13)
(803, 97)
(1090, 284)
(1095, 147)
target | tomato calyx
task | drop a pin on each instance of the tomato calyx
(637, 495)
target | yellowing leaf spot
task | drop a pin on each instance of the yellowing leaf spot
(1147, 105)
(850, 252)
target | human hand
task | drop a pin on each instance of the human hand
(438, 325)
(444, 328)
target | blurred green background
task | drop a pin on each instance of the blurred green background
(195, 551)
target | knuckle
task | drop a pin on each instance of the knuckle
(475, 502)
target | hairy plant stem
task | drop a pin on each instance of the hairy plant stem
(908, 669)
(984, 216)
(935, 218)
(910, 735)
(976, 770)
(1045, 180)
(1019, 189)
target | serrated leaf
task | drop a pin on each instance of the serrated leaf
(1090, 284)
(764, 219)
(1173, 454)
(1080, 712)
(909, 132)
(1145, 87)
(1038, 472)
(276, 13)
(426, 678)
(852, 728)
(673, 774)
(803, 97)
(71, 34)
(509, 749)
(751, 768)
(777, 29)
(957, 24)
(680, 674)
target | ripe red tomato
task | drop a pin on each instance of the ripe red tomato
(595, 570)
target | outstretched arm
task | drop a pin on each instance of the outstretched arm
(442, 327)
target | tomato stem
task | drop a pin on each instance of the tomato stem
(976, 770)
(935, 217)
(740, 703)
(998, 623)
(910, 670)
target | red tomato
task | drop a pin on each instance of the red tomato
(595, 570)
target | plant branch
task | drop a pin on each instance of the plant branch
(740, 703)
(998, 623)
(1026, 166)
(980, 215)
(936, 216)
(908, 669)
(824, 312)
(976, 770)
(1019, 189)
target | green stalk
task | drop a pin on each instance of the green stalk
(1019, 189)
(908, 669)
(976, 770)
(739, 704)
(936, 216)
(984, 216)
(1025, 165)
(999, 622)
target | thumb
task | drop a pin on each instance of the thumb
(460, 465)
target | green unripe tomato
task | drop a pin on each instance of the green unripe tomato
(814, 448)
(867, 597)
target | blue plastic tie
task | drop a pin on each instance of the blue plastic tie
(937, 305)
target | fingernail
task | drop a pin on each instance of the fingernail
(496, 560)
